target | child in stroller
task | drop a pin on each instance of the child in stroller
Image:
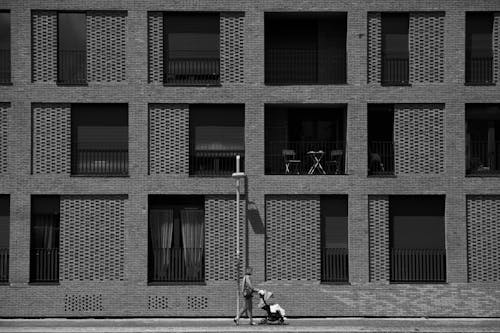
(275, 313)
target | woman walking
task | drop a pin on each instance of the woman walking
(247, 290)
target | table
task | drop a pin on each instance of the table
(316, 156)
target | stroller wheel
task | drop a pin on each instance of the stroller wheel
(263, 321)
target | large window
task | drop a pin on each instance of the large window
(4, 237)
(4, 47)
(72, 56)
(380, 139)
(395, 50)
(478, 48)
(176, 239)
(45, 215)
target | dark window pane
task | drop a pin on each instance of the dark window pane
(72, 31)
(395, 35)
(479, 34)
(4, 47)
(4, 221)
(334, 215)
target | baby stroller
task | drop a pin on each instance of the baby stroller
(275, 313)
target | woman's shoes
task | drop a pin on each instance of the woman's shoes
(236, 321)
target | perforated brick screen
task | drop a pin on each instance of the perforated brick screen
(220, 233)
(496, 47)
(426, 39)
(168, 139)
(51, 138)
(419, 138)
(378, 219)
(374, 47)
(4, 126)
(157, 302)
(92, 238)
(197, 302)
(106, 46)
(155, 47)
(293, 237)
(231, 47)
(83, 303)
(44, 46)
(483, 238)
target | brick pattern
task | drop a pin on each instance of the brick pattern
(426, 39)
(378, 220)
(168, 139)
(231, 47)
(92, 238)
(51, 138)
(44, 46)
(83, 303)
(157, 302)
(483, 238)
(197, 302)
(496, 47)
(220, 232)
(419, 138)
(4, 136)
(293, 237)
(374, 47)
(106, 46)
(155, 47)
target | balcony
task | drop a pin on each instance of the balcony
(479, 71)
(177, 265)
(4, 66)
(334, 265)
(483, 161)
(381, 158)
(45, 265)
(72, 67)
(395, 72)
(192, 71)
(418, 265)
(99, 162)
(4, 265)
(331, 158)
(213, 163)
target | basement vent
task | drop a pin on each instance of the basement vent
(197, 302)
(82, 303)
(157, 303)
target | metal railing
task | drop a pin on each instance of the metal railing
(482, 161)
(72, 67)
(192, 71)
(214, 162)
(4, 66)
(479, 70)
(384, 150)
(395, 71)
(173, 265)
(4, 265)
(334, 265)
(45, 265)
(303, 66)
(276, 164)
(418, 265)
(100, 162)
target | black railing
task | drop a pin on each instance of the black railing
(381, 158)
(483, 161)
(4, 265)
(395, 71)
(45, 265)
(100, 162)
(276, 162)
(418, 265)
(192, 71)
(4, 66)
(479, 70)
(214, 162)
(303, 66)
(334, 265)
(177, 265)
(72, 67)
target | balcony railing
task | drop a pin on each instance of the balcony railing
(418, 265)
(214, 163)
(395, 71)
(276, 164)
(479, 70)
(4, 265)
(334, 265)
(45, 265)
(4, 66)
(192, 71)
(303, 66)
(385, 151)
(177, 265)
(482, 161)
(72, 67)
(100, 162)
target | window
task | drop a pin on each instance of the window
(45, 215)
(99, 139)
(417, 239)
(334, 253)
(4, 237)
(380, 139)
(192, 54)
(395, 54)
(217, 136)
(72, 56)
(478, 48)
(176, 239)
(4, 47)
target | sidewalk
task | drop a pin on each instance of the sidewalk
(364, 325)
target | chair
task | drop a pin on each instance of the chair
(335, 162)
(290, 161)
(375, 164)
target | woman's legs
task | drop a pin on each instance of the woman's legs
(247, 307)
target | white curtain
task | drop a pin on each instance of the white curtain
(161, 225)
(45, 229)
(193, 238)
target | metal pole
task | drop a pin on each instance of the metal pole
(237, 236)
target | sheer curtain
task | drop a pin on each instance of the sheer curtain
(45, 229)
(161, 225)
(193, 238)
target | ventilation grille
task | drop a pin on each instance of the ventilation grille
(44, 46)
(232, 36)
(197, 302)
(155, 47)
(378, 217)
(374, 47)
(4, 126)
(157, 303)
(83, 303)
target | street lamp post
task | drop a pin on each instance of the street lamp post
(238, 176)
